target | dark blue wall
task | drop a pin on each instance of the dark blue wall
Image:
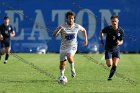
(35, 20)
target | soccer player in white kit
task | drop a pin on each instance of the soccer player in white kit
(68, 47)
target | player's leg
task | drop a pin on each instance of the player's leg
(62, 67)
(2, 52)
(109, 63)
(71, 61)
(115, 61)
(115, 58)
(62, 62)
(114, 66)
(7, 49)
(70, 56)
(108, 58)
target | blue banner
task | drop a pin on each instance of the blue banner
(35, 21)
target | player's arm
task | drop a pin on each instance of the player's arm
(101, 35)
(85, 36)
(1, 36)
(58, 30)
(101, 38)
(12, 34)
(119, 42)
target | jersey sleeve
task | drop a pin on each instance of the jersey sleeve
(81, 28)
(105, 30)
(121, 34)
(0, 29)
(12, 30)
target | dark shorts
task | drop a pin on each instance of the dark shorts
(5, 43)
(111, 53)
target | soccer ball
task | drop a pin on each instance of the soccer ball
(63, 79)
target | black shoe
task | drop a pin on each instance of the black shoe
(109, 79)
(5, 62)
(73, 74)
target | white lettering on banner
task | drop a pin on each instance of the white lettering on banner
(105, 16)
(91, 22)
(15, 23)
(40, 27)
(61, 17)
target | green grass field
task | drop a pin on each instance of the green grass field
(38, 74)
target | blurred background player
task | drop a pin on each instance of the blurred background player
(68, 47)
(114, 38)
(6, 31)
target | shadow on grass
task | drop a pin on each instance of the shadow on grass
(28, 81)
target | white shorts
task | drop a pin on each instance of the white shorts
(63, 53)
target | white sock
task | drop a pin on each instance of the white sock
(62, 72)
(72, 67)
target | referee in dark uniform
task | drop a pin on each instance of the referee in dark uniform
(114, 38)
(6, 31)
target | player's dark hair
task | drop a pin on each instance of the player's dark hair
(114, 16)
(6, 17)
(70, 13)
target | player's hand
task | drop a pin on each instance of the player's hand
(12, 34)
(101, 43)
(119, 42)
(1, 37)
(85, 43)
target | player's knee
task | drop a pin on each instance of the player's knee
(70, 59)
(2, 53)
(109, 62)
(109, 65)
(8, 52)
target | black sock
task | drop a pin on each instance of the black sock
(6, 56)
(112, 71)
(0, 55)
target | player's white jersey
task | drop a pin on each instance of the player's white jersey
(69, 35)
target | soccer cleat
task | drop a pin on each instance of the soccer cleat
(73, 74)
(109, 79)
(5, 62)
